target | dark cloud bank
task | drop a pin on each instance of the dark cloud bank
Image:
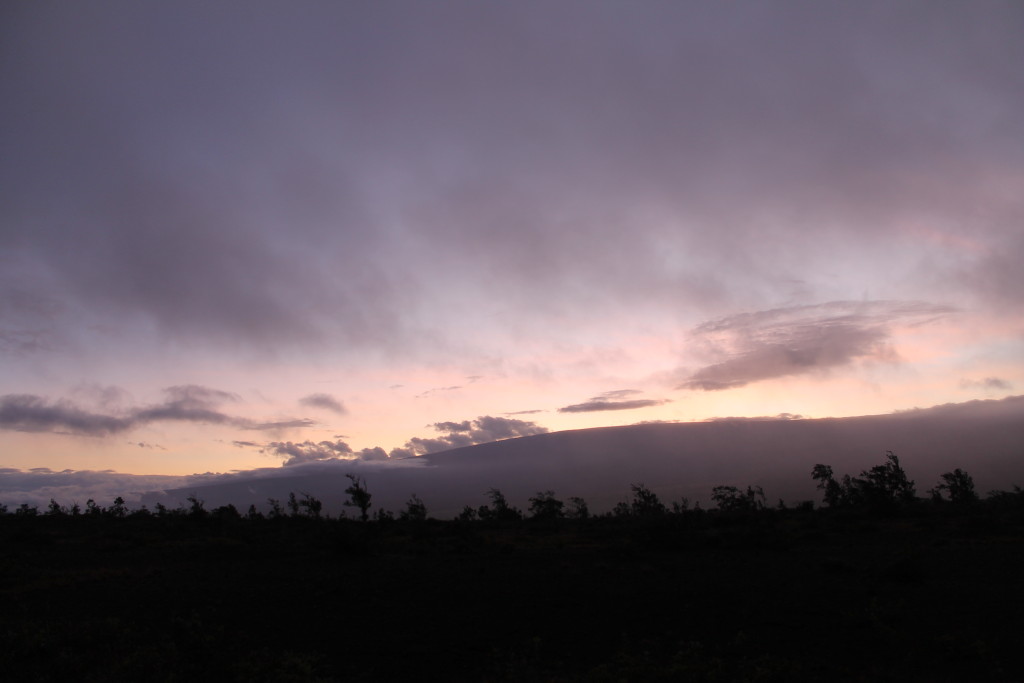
(483, 429)
(682, 459)
(554, 154)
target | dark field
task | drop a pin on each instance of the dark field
(931, 592)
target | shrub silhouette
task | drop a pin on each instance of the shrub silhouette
(732, 499)
(415, 510)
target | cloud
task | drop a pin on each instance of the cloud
(325, 401)
(680, 460)
(27, 413)
(800, 340)
(469, 433)
(568, 174)
(372, 454)
(675, 456)
(613, 400)
(323, 451)
(993, 383)
(38, 485)
(595, 406)
(298, 423)
(188, 403)
(308, 451)
(435, 390)
(757, 418)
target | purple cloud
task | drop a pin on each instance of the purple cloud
(991, 383)
(613, 400)
(484, 429)
(324, 401)
(190, 403)
(801, 340)
(308, 451)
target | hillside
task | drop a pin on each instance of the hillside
(673, 459)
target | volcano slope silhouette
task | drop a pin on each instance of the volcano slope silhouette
(675, 460)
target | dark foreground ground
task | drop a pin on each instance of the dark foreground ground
(928, 594)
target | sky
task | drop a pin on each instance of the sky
(241, 235)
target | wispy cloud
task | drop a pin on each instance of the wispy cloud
(324, 401)
(187, 403)
(800, 340)
(28, 413)
(435, 390)
(757, 418)
(613, 400)
(990, 383)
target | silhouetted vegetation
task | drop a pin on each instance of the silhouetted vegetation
(958, 485)
(648, 591)
(884, 485)
(358, 496)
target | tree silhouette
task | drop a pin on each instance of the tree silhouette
(196, 504)
(415, 510)
(883, 485)
(545, 506)
(359, 497)
(645, 502)
(578, 509)
(118, 509)
(834, 494)
(311, 505)
(293, 504)
(499, 510)
(958, 485)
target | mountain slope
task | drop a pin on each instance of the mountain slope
(986, 438)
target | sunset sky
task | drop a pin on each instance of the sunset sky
(239, 235)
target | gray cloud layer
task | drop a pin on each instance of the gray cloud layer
(801, 340)
(188, 403)
(313, 177)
